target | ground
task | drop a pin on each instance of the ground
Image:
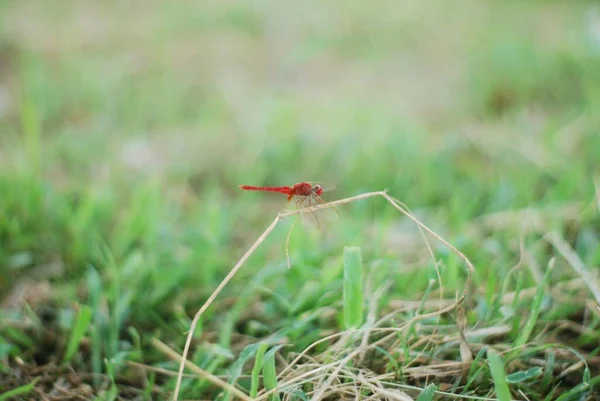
(127, 127)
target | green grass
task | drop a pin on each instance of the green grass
(125, 130)
(353, 288)
(498, 376)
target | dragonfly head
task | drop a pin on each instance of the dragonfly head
(318, 190)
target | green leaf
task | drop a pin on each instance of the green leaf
(586, 375)
(428, 393)
(94, 286)
(579, 389)
(550, 362)
(269, 371)
(258, 363)
(236, 368)
(535, 311)
(80, 327)
(353, 287)
(498, 375)
(523, 375)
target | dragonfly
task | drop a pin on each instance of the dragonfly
(307, 194)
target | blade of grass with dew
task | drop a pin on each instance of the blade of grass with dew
(522, 375)
(535, 311)
(236, 369)
(428, 393)
(80, 327)
(258, 363)
(269, 371)
(353, 287)
(21, 390)
(498, 375)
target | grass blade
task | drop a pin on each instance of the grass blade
(498, 375)
(21, 390)
(549, 370)
(535, 311)
(353, 287)
(94, 285)
(578, 390)
(236, 369)
(80, 327)
(269, 371)
(524, 375)
(258, 363)
(428, 393)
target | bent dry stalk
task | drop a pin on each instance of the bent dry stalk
(282, 215)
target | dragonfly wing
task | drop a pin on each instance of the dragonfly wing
(310, 216)
(330, 214)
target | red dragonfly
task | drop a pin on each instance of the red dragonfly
(308, 194)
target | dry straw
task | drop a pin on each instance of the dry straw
(282, 215)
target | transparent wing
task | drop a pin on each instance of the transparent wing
(327, 186)
(318, 218)
(311, 216)
(330, 214)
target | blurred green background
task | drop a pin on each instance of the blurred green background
(126, 128)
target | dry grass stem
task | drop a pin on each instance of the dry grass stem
(394, 202)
